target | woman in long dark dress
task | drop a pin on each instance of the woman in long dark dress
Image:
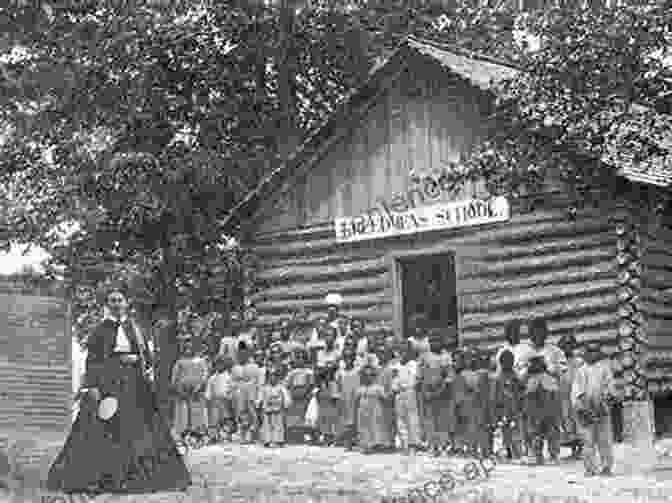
(131, 451)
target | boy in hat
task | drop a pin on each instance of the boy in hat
(593, 391)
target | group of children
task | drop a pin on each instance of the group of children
(343, 387)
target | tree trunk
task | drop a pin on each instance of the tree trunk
(167, 337)
(288, 134)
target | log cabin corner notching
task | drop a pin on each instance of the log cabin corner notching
(312, 224)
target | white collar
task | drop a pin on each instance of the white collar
(108, 316)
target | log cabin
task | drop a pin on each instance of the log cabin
(361, 209)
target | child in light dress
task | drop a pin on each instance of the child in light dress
(274, 400)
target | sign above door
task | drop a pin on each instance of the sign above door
(385, 222)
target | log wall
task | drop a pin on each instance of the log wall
(537, 264)
(656, 300)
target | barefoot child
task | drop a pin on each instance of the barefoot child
(327, 364)
(542, 408)
(370, 410)
(274, 400)
(404, 386)
(219, 395)
(347, 383)
(430, 375)
(246, 377)
(571, 435)
(508, 396)
(389, 359)
(189, 379)
(484, 410)
(300, 382)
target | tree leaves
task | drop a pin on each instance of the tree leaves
(160, 117)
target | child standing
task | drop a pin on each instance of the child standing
(404, 384)
(370, 410)
(571, 435)
(593, 391)
(189, 379)
(274, 400)
(484, 412)
(246, 378)
(430, 375)
(542, 408)
(466, 406)
(219, 395)
(327, 364)
(389, 359)
(347, 383)
(300, 382)
(508, 396)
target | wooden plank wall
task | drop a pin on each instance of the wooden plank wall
(35, 369)
(657, 302)
(537, 264)
(419, 125)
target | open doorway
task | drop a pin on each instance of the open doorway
(428, 291)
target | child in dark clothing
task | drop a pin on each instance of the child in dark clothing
(466, 402)
(484, 410)
(542, 407)
(347, 384)
(507, 400)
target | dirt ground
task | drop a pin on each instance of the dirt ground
(306, 474)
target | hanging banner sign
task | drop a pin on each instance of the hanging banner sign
(380, 223)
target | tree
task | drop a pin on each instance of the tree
(137, 126)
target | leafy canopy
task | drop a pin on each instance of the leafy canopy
(142, 123)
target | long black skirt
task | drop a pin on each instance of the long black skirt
(132, 452)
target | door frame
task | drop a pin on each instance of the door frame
(396, 260)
